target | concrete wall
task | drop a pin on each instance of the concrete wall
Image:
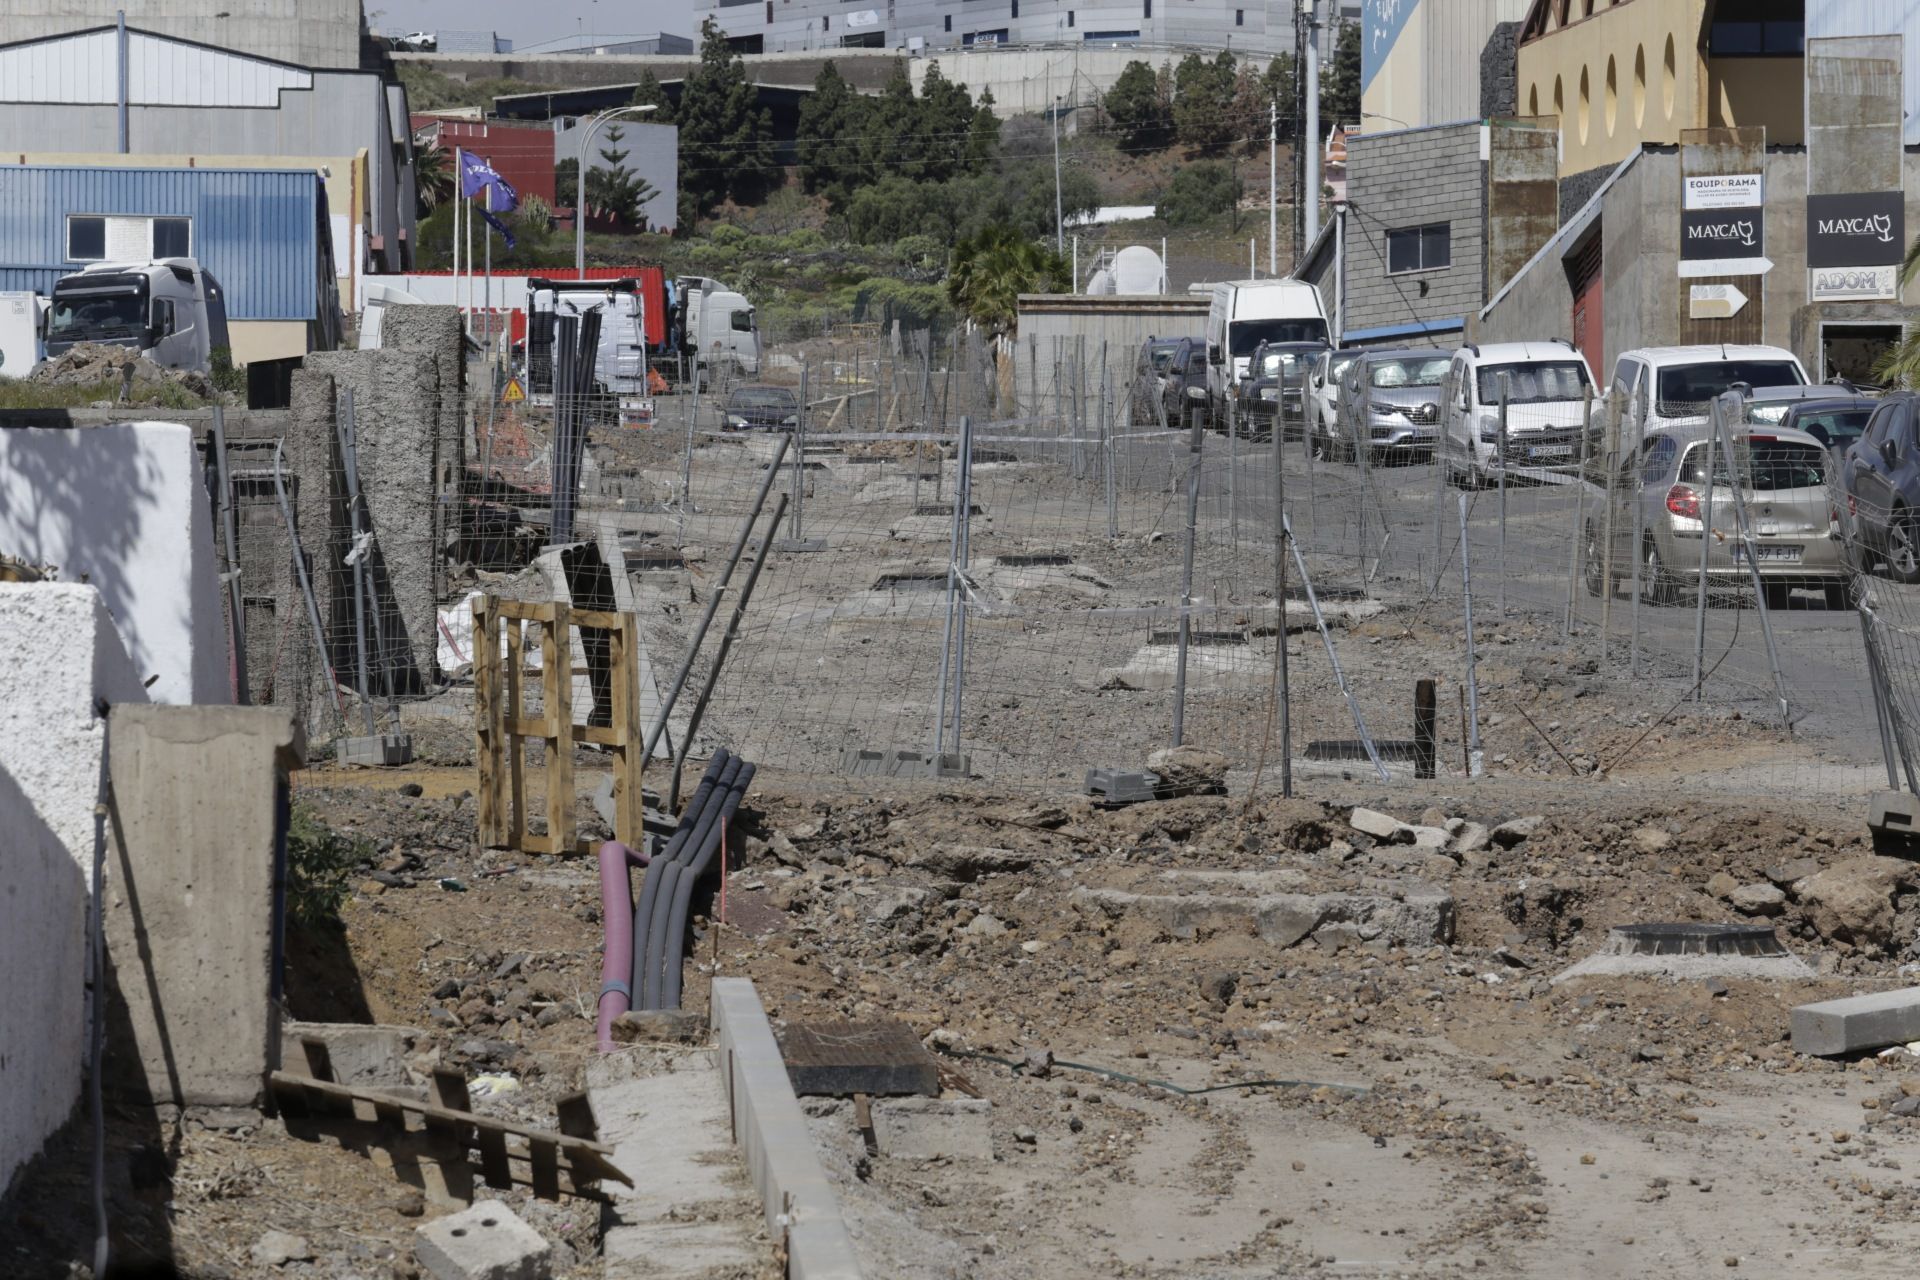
(1451, 188)
(308, 33)
(1523, 196)
(123, 507)
(1500, 72)
(193, 910)
(63, 654)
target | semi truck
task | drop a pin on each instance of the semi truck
(714, 328)
(620, 364)
(171, 310)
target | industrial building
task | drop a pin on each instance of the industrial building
(191, 106)
(263, 233)
(1251, 26)
(306, 33)
(1421, 61)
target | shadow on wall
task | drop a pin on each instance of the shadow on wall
(48, 1210)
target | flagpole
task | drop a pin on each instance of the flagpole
(489, 287)
(459, 198)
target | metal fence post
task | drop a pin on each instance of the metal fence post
(799, 457)
(1109, 452)
(1581, 459)
(1282, 691)
(963, 511)
(1715, 412)
(1738, 490)
(1333, 658)
(1506, 396)
(1186, 585)
(1615, 410)
(1475, 757)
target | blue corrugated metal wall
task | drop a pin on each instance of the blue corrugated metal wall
(256, 230)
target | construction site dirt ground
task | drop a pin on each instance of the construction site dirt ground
(1455, 1112)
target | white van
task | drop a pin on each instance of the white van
(1246, 313)
(1665, 386)
(1548, 390)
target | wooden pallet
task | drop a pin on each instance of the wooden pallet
(502, 725)
(432, 1153)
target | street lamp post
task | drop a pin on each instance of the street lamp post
(580, 186)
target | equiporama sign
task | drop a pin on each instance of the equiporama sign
(1866, 229)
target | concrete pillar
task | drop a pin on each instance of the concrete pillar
(195, 900)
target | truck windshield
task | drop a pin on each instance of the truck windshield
(1245, 336)
(1534, 383)
(1275, 363)
(80, 317)
(1685, 389)
(1768, 465)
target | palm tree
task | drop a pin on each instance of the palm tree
(432, 177)
(993, 268)
(1900, 366)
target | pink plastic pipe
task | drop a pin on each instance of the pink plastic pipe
(616, 912)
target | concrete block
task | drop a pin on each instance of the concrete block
(933, 1128)
(1381, 826)
(382, 750)
(1857, 1022)
(194, 899)
(1894, 813)
(361, 1053)
(773, 1133)
(486, 1242)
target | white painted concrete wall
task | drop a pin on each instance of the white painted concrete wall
(125, 509)
(63, 653)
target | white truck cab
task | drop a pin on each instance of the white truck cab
(1246, 313)
(1665, 386)
(1549, 392)
(620, 364)
(171, 310)
(717, 326)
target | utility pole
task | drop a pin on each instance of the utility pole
(1273, 189)
(1059, 226)
(1310, 144)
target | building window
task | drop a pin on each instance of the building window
(1146, 8)
(1428, 248)
(948, 21)
(93, 237)
(1016, 8)
(1239, 17)
(1069, 17)
(769, 12)
(1759, 29)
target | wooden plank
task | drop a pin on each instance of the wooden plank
(455, 1117)
(557, 675)
(598, 619)
(544, 1156)
(486, 726)
(516, 833)
(527, 610)
(493, 1157)
(600, 735)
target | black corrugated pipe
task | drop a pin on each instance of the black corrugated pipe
(656, 893)
(672, 964)
(648, 962)
(650, 882)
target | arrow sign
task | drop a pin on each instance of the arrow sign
(1714, 301)
(1725, 267)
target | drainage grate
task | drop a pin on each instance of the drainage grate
(1052, 561)
(946, 509)
(1200, 639)
(911, 581)
(1694, 940)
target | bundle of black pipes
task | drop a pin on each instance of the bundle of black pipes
(576, 347)
(666, 894)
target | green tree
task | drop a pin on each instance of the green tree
(1140, 114)
(983, 134)
(831, 120)
(648, 93)
(943, 125)
(432, 178)
(726, 139)
(1199, 193)
(896, 206)
(1340, 87)
(993, 268)
(1203, 102)
(1900, 366)
(1281, 85)
(890, 143)
(612, 186)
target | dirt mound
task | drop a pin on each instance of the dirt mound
(86, 363)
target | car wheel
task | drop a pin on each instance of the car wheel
(1837, 594)
(1903, 548)
(1594, 565)
(1656, 584)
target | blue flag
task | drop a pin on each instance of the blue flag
(499, 226)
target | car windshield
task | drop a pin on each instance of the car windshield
(1771, 464)
(1196, 362)
(1685, 389)
(1553, 383)
(1337, 365)
(1835, 428)
(1161, 356)
(73, 317)
(1411, 372)
(1245, 336)
(761, 398)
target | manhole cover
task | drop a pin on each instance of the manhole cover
(1694, 940)
(1033, 561)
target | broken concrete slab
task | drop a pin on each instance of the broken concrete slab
(659, 1026)
(1509, 834)
(1381, 826)
(360, 1053)
(485, 1242)
(1472, 837)
(933, 1128)
(1269, 905)
(1853, 1023)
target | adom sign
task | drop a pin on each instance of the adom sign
(1854, 245)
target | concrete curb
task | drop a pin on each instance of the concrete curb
(773, 1136)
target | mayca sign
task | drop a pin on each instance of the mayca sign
(1854, 245)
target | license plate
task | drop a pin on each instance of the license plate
(1550, 451)
(1789, 554)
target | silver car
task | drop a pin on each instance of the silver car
(1398, 394)
(1784, 482)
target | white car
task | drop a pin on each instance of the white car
(1323, 397)
(417, 42)
(1548, 390)
(1665, 386)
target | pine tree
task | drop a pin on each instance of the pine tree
(1137, 109)
(726, 139)
(1340, 88)
(831, 121)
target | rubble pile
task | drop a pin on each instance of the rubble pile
(87, 363)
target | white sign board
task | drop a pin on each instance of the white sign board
(1853, 284)
(1723, 191)
(864, 18)
(1714, 301)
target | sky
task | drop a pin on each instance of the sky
(527, 23)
